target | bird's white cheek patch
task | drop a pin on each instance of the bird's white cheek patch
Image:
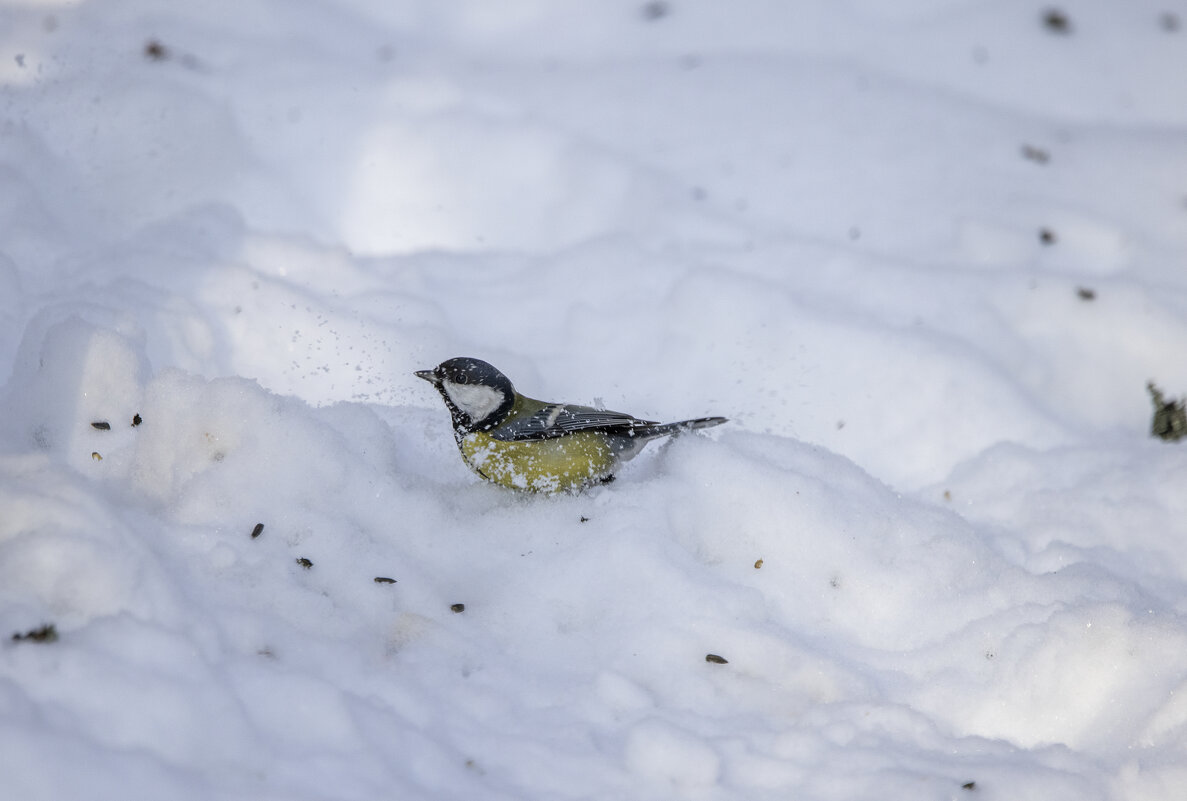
(473, 399)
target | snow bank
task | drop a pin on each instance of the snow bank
(925, 258)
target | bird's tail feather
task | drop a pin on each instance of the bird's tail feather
(663, 429)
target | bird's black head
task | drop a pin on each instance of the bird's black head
(477, 394)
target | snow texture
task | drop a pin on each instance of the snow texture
(925, 255)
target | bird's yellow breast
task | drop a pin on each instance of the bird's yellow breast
(547, 465)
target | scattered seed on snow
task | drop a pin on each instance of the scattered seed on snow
(155, 51)
(47, 633)
(1035, 154)
(1056, 21)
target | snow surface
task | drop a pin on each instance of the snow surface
(246, 223)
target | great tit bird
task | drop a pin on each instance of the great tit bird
(526, 444)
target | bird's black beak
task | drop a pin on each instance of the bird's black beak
(428, 375)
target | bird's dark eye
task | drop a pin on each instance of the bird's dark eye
(462, 378)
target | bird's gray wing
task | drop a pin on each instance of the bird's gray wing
(557, 420)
